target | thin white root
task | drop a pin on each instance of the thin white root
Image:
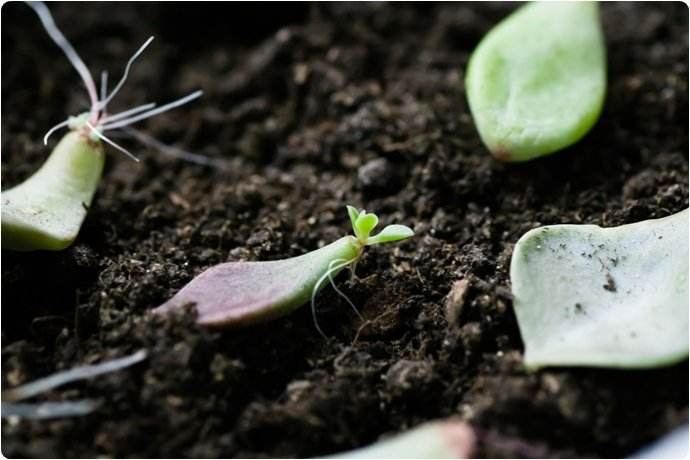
(97, 119)
(78, 373)
(104, 89)
(318, 285)
(176, 152)
(330, 278)
(126, 113)
(49, 24)
(48, 410)
(103, 103)
(105, 139)
(150, 113)
(353, 270)
(62, 124)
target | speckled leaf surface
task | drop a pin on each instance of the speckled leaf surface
(536, 82)
(615, 297)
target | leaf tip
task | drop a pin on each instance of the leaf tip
(390, 233)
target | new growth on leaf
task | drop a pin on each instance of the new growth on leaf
(241, 293)
(97, 120)
(45, 212)
(363, 224)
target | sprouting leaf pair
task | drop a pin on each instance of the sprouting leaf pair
(363, 224)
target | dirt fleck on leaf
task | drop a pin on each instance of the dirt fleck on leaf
(610, 283)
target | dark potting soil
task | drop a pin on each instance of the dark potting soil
(312, 107)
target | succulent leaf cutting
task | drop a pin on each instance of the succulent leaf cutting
(536, 82)
(239, 293)
(46, 210)
(610, 297)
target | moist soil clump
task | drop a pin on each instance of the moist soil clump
(308, 108)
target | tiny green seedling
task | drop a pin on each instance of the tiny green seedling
(609, 297)
(240, 293)
(438, 439)
(536, 82)
(47, 210)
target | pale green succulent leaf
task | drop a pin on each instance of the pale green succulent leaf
(391, 233)
(536, 83)
(47, 210)
(609, 297)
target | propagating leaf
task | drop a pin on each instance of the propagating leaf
(536, 82)
(47, 210)
(238, 293)
(444, 439)
(249, 292)
(615, 297)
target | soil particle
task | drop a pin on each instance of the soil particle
(455, 300)
(471, 334)
(610, 283)
(311, 108)
(379, 177)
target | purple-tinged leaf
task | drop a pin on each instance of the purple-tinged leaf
(239, 293)
(438, 439)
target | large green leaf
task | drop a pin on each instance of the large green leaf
(615, 297)
(536, 82)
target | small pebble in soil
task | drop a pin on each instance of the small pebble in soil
(455, 300)
(379, 177)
